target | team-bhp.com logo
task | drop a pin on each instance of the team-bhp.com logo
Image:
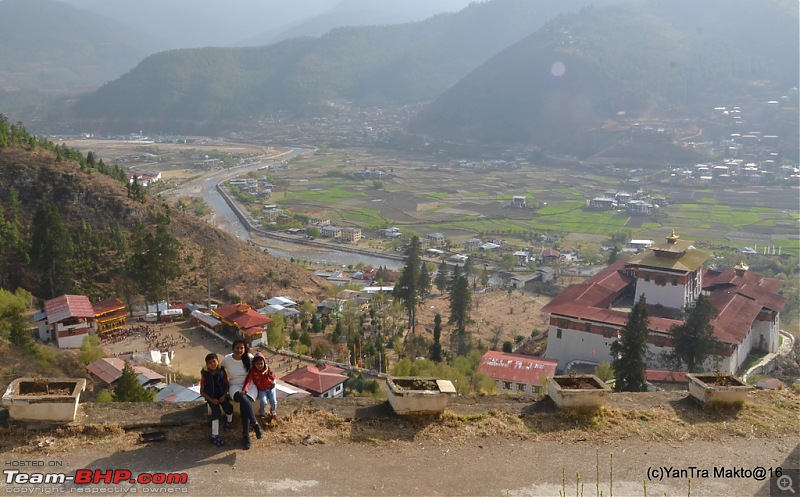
(94, 477)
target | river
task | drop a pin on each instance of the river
(281, 249)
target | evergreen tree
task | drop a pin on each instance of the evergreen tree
(128, 388)
(424, 280)
(407, 289)
(441, 277)
(13, 241)
(5, 131)
(436, 348)
(630, 350)
(613, 255)
(155, 260)
(460, 305)
(51, 249)
(694, 341)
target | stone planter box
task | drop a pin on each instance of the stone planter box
(717, 389)
(583, 390)
(43, 399)
(418, 395)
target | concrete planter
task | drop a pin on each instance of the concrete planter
(418, 395)
(717, 389)
(583, 390)
(43, 399)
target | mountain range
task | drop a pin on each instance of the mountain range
(500, 72)
(53, 49)
(376, 65)
(671, 60)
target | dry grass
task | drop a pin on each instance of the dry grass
(771, 414)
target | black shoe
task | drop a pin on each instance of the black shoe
(257, 429)
(246, 442)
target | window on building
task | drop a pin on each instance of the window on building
(674, 281)
(588, 327)
(646, 276)
(558, 333)
(506, 385)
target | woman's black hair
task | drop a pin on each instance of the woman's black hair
(246, 355)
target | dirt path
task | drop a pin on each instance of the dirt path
(489, 467)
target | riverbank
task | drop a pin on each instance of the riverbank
(253, 227)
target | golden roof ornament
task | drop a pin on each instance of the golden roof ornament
(673, 237)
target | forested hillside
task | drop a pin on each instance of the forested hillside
(672, 59)
(186, 89)
(72, 224)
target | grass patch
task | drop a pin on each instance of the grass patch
(437, 196)
(561, 207)
(335, 195)
(364, 218)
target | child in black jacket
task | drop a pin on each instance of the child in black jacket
(214, 388)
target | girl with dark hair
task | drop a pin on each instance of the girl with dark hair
(237, 365)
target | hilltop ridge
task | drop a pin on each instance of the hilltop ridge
(98, 206)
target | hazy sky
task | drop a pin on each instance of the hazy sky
(197, 23)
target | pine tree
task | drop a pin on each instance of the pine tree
(441, 277)
(51, 249)
(630, 351)
(436, 348)
(155, 260)
(694, 341)
(407, 289)
(460, 305)
(128, 388)
(424, 281)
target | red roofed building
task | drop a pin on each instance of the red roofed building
(106, 371)
(517, 373)
(586, 318)
(244, 321)
(110, 315)
(323, 381)
(69, 320)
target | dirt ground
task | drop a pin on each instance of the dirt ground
(191, 346)
(517, 314)
(524, 448)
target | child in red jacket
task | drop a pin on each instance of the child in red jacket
(264, 379)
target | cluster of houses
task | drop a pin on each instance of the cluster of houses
(316, 381)
(260, 187)
(735, 170)
(636, 204)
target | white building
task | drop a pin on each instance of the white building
(587, 318)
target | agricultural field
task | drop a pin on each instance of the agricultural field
(421, 197)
